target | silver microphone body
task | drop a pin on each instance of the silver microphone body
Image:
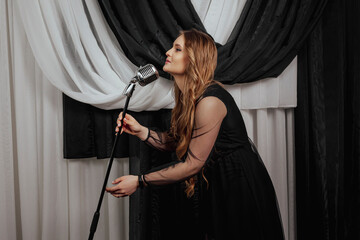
(144, 75)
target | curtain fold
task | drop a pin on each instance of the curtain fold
(327, 127)
(77, 54)
(8, 217)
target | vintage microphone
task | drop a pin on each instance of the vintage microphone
(144, 75)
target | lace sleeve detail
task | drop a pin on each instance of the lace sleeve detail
(210, 112)
(160, 140)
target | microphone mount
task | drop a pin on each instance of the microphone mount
(143, 76)
(129, 89)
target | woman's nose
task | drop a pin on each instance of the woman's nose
(168, 53)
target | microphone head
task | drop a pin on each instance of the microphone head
(146, 74)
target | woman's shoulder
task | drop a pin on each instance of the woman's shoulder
(215, 89)
(214, 93)
(209, 105)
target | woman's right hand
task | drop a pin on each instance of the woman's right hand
(131, 126)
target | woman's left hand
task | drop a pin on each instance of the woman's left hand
(126, 185)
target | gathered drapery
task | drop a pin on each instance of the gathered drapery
(79, 54)
(76, 52)
(263, 42)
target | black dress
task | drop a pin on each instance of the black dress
(237, 200)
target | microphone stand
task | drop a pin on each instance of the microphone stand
(128, 92)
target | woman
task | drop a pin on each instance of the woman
(237, 199)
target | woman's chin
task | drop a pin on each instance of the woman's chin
(165, 69)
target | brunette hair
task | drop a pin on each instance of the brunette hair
(199, 73)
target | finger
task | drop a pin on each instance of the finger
(119, 191)
(120, 195)
(117, 130)
(112, 189)
(121, 125)
(117, 180)
(126, 122)
(129, 117)
(116, 195)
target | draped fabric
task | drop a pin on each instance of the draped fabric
(264, 41)
(327, 127)
(8, 220)
(79, 55)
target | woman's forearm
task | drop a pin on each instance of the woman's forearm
(143, 133)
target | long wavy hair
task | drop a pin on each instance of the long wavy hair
(199, 74)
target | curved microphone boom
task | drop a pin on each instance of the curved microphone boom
(144, 75)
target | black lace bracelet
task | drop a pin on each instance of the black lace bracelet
(146, 182)
(148, 135)
(141, 183)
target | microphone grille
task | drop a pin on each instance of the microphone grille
(147, 74)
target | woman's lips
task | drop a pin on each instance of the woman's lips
(167, 61)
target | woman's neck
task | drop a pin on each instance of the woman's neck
(180, 80)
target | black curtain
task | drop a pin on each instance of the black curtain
(265, 40)
(327, 127)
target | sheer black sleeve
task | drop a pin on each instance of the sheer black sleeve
(161, 141)
(209, 113)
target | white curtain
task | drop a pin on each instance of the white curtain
(44, 196)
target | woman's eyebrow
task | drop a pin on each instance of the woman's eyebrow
(177, 45)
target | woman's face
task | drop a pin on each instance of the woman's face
(177, 59)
